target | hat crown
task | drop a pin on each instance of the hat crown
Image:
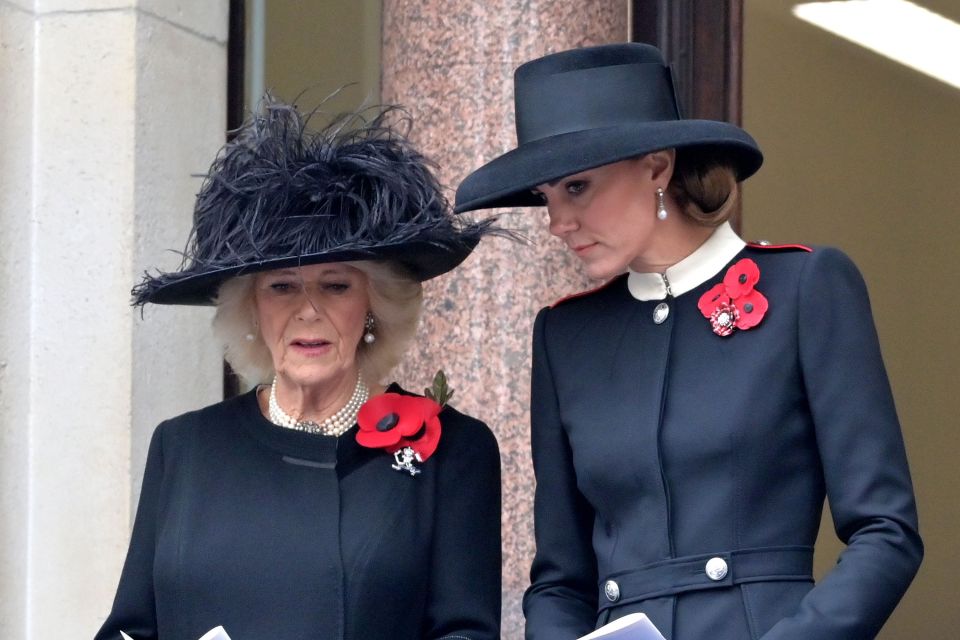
(590, 57)
(588, 107)
(311, 194)
(592, 88)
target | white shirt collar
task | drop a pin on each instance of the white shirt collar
(701, 265)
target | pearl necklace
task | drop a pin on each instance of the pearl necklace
(336, 425)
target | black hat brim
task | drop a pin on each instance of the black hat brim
(421, 259)
(506, 181)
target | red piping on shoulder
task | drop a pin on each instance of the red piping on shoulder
(581, 294)
(757, 245)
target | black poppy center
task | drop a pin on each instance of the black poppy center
(742, 278)
(748, 308)
(388, 422)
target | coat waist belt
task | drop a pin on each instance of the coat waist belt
(706, 571)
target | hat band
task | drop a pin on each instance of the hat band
(591, 98)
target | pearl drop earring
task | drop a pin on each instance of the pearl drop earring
(661, 208)
(368, 326)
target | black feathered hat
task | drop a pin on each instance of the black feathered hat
(279, 195)
(584, 108)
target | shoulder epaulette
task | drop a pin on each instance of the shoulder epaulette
(763, 244)
(581, 294)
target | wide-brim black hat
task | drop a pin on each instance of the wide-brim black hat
(279, 195)
(584, 108)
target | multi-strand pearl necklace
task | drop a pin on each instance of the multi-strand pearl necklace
(336, 425)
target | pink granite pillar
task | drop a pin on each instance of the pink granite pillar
(451, 64)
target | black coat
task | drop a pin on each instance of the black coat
(659, 447)
(275, 533)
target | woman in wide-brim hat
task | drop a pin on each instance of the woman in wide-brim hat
(325, 502)
(690, 415)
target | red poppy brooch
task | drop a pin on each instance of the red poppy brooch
(408, 427)
(735, 303)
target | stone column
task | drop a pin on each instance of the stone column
(452, 65)
(109, 107)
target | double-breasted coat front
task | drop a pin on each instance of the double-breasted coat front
(682, 473)
(276, 533)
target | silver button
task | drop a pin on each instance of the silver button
(612, 590)
(661, 312)
(764, 243)
(716, 569)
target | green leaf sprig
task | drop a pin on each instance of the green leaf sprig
(439, 392)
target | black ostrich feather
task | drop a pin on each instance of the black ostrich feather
(279, 190)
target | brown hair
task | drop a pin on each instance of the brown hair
(704, 185)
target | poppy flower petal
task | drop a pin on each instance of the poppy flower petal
(392, 421)
(734, 303)
(411, 414)
(712, 299)
(374, 410)
(426, 445)
(389, 411)
(378, 439)
(752, 307)
(741, 278)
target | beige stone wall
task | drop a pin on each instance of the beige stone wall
(862, 154)
(108, 108)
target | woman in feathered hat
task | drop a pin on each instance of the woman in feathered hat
(690, 416)
(323, 503)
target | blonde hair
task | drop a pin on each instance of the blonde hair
(395, 302)
(704, 185)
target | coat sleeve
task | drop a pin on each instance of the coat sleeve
(561, 602)
(464, 591)
(134, 610)
(863, 458)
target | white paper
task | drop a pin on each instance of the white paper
(633, 626)
(214, 634)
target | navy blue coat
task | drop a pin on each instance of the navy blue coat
(660, 447)
(275, 533)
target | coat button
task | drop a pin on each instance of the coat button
(612, 590)
(716, 569)
(661, 312)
